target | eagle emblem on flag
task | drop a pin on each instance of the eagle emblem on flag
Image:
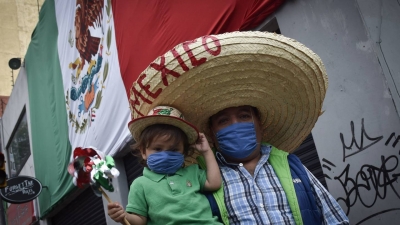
(89, 70)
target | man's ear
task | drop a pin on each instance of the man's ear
(259, 129)
(260, 125)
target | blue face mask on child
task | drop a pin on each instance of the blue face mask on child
(237, 140)
(165, 162)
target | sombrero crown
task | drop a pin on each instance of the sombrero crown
(285, 80)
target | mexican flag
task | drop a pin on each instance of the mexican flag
(77, 96)
(83, 58)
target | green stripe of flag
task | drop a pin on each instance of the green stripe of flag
(49, 130)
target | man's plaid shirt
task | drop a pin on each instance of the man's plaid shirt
(260, 199)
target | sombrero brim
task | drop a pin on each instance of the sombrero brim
(285, 80)
(137, 126)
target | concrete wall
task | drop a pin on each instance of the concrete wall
(382, 20)
(18, 19)
(357, 136)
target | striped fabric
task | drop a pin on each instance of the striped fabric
(260, 199)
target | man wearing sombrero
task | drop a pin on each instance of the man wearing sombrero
(252, 93)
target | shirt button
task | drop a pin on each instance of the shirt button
(171, 183)
(261, 205)
(240, 164)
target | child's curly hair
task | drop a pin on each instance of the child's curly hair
(159, 130)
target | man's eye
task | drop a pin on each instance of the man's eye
(174, 150)
(158, 149)
(222, 121)
(245, 116)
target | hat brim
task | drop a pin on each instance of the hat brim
(279, 76)
(137, 126)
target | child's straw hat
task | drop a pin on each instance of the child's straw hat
(163, 115)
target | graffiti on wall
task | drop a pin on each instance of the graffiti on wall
(371, 182)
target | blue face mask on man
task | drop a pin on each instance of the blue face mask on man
(238, 140)
(165, 162)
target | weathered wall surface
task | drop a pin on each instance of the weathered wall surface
(382, 20)
(357, 137)
(18, 19)
(19, 100)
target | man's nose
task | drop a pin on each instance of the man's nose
(234, 119)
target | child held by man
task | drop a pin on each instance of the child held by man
(169, 192)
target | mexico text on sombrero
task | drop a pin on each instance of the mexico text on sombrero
(213, 47)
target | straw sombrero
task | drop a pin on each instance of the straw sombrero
(163, 115)
(285, 80)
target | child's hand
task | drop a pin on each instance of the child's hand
(202, 144)
(116, 212)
